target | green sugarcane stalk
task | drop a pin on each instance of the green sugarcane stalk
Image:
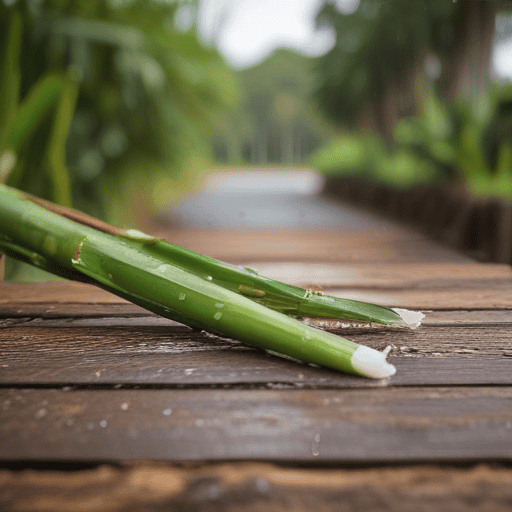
(184, 286)
(285, 298)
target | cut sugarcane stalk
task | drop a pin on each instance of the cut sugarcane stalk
(186, 287)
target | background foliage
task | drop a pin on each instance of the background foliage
(278, 120)
(147, 96)
(116, 106)
(410, 83)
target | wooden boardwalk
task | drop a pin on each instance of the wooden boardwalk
(90, 382)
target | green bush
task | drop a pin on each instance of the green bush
(464, 144)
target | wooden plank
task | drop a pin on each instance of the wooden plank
(452, 299)
(95, 352)
(361, 246)
(485, 298)
(80, 314)
(60, 292)
(388, 275)
(70, 310)
(413, 286)
(429, 341)
(481, 317)
(253, 487)
(122, 316)
(356, 426)
(426, 276)
(331, 246)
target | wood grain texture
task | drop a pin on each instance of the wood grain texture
(153, 335)
(361, 246)
(396, 276)
(154, 351)
(124, 317)
(498, 298)
(60, 292)
(387, 275)
(493, 296)
(423, 286)
(88, 376)
(393, 424)
(258, 487)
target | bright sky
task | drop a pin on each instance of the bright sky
(248, 31)
(502, 59)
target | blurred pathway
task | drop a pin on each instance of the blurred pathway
(268, 200)
(280, 215)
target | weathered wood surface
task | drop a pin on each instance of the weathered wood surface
(448, 285)
(87, 377)
(405, 424)
(257, 487)
(391, 245)
(398, 276)
(97, 351)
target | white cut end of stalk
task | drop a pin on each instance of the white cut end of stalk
(372, 363)
(411, 318)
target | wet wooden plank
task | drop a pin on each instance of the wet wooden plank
(253, 487)
(103, 352)
(395, 424)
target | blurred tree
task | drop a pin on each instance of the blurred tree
(150, 97)
(278, 122)
(466, 56)
(370, 77)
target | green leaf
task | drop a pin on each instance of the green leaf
(56, 152)
(10, 73)
(41, 97)
(99, 31)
